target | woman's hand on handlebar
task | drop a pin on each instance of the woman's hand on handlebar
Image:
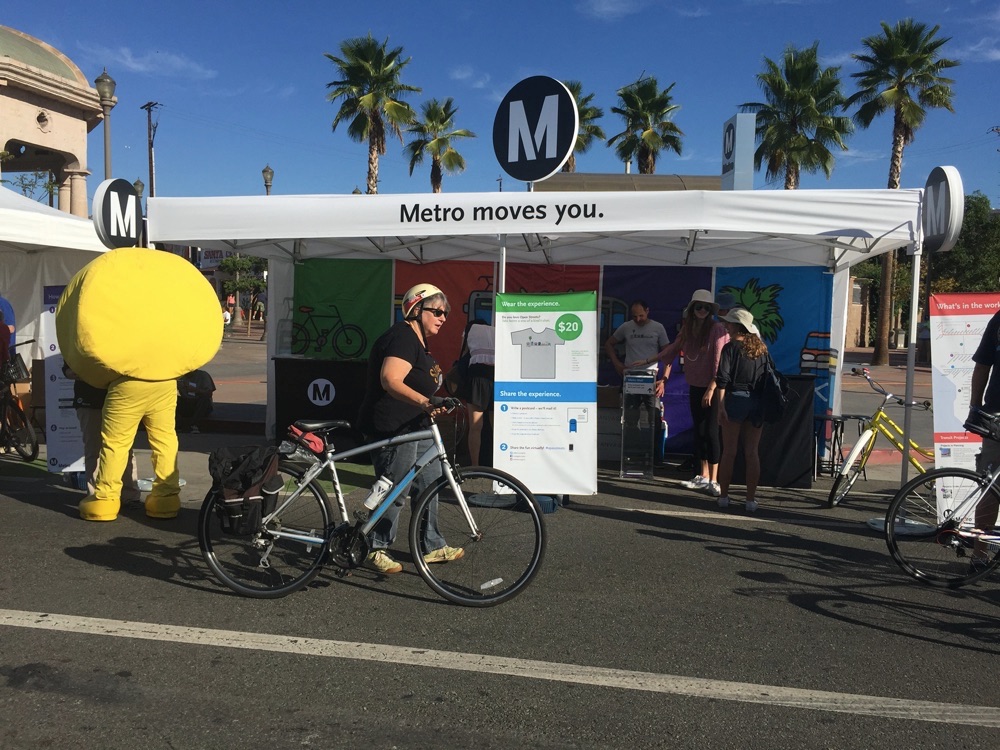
(438, 405)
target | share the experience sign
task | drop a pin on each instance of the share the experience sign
(545, 396)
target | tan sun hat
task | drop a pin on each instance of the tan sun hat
(744, 318)
(703, 296)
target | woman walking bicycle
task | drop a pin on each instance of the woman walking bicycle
(402, 377)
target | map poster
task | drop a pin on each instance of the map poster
(63, 440)
(545, 396)
(957, 322)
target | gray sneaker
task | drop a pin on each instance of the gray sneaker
(715, 489)
(751, 506)
(723, 501)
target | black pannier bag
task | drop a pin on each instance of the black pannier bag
(247, 483)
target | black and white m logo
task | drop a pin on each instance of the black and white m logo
(535, 129)
(117, 214)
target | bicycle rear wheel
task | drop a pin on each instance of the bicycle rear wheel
(22, 435)
(502, 559)
(932, 543)
(851, 469)
(260, 564)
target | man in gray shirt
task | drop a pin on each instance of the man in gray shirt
(643, 340)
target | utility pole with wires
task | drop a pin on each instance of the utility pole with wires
(150, 137)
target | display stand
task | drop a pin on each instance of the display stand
(640, 422)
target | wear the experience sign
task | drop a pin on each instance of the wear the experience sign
(535, 128)
(545, 395)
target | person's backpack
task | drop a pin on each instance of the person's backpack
(246, 483)
(774, 397)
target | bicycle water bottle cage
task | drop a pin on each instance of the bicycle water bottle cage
(307, 439)
(983, 423)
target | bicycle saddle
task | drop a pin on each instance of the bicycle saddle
(983, 423)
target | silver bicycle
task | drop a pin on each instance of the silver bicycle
(932, 529)
(490, 514)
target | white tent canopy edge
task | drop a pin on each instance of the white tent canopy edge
(829, 228)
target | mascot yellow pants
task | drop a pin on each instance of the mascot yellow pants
(129, 402)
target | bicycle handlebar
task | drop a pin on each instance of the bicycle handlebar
(446, 402)
(865, 373)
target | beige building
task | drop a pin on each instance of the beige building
(47, 107)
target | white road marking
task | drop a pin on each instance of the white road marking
(863, 705)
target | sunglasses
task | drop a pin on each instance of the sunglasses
(698, 307)
(436, 312)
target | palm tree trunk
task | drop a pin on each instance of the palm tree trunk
(372, 187)
(885, 304)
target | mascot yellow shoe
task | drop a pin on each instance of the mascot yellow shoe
(114, 338)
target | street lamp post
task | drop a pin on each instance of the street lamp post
(105, 85)
(139, 186)
(268, 174)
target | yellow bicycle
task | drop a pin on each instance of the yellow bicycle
(878, 423)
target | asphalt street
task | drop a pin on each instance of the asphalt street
(657, 621)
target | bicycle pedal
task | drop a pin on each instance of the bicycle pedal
(342, 573)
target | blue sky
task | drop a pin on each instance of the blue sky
(244, 84)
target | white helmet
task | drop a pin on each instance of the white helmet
(417, 294)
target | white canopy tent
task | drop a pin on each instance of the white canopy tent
(832, 229)
(39, 246)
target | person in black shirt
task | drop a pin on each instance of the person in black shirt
(402, 377)
(739, 382)
(985, 396)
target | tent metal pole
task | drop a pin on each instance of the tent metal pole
(911, 359)
(502, 271)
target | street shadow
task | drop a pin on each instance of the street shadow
(145, 557)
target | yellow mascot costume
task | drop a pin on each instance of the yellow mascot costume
(133, 321)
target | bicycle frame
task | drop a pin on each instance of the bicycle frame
(435, 452)
(882, 422)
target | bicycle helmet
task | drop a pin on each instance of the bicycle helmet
(983, 423)
(415, 295)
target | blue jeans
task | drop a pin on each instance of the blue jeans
(394, 461)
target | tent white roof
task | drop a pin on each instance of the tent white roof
(39, 246)
(828, 228)
(27, 226)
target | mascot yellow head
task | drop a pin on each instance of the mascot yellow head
(139, 313)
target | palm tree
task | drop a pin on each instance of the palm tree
(370, 92)
(648, 128)
(797, 124)
(433, 135)
(900, 73)
(589, 129)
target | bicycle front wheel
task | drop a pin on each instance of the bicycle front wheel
(261, 564)
(504, 554)
(349, 341)
(22, 435)
(852, 467)
(931, 542)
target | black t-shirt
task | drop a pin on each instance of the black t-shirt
(737, 372)
(382, 415)
(988, 353)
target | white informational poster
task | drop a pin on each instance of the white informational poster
(63, 441)
(957, 322)
(545, 397)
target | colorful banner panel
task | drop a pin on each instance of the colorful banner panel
(340, 307)
(957, 322)
(667, 291)
(546, 391)
(792, 307)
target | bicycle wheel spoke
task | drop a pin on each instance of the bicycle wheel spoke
(931, 528)
(498, 561)
(265, 564)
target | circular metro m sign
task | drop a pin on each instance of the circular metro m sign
(535, 129)
(117, 214)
